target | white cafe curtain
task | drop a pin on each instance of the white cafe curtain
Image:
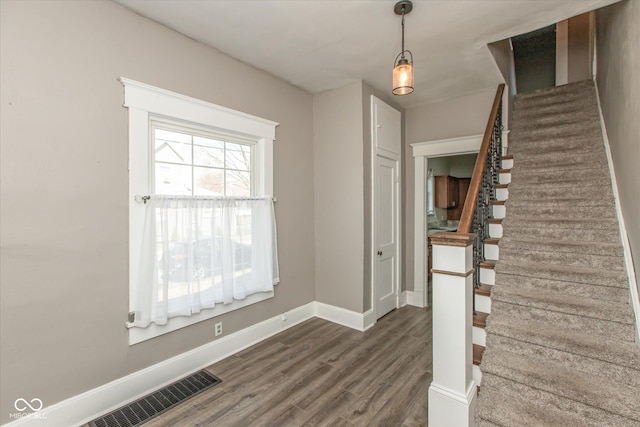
(200, 251)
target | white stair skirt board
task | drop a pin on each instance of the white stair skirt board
(499, 211)
(507, 164)
(479, 336)
(487, 276)
(504, 178)
(483, 304)
(82, 408)
(491, 252)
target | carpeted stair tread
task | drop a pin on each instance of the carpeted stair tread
(542, 232)
(562, 222)
(586, 306)
(563, 203)
(586, 275)
(593, 382)
(566, 130)
(524, 406)
(562, 246)
(569, 259)
(550, 211)
(560, 157)
(607, 341)
(574, 174)
(555, 320)
(484, 423)
(613, 294)
(584, 144)
(594, 192)
(551, 122)
(532, 354)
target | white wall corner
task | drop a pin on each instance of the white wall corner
(403, 298)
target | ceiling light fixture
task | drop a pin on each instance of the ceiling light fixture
(403, 67)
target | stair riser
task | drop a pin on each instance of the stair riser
(559, 246)
(538, 103)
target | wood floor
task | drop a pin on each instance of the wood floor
(320, 373)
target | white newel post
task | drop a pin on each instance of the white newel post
(452, 393)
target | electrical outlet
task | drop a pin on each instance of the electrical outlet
(284, 316)
(218, 327)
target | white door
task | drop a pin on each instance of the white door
(386, 241)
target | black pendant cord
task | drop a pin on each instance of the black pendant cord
(403, 32)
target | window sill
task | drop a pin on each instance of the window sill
(138, 335)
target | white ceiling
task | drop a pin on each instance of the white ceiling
(324, 44)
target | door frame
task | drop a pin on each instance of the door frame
(421, 153)
(397, 157)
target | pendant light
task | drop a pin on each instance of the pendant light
(403, 67)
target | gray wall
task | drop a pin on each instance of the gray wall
(456, 117)
(64, 203)
(618, 62)
(339, 196)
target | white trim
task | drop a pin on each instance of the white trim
(447, 147)
(416, 299)
(624, 238)
(402, 299)
(421, 152)
(342, 316)
(144, 102)
(163, 102)
(84, 407)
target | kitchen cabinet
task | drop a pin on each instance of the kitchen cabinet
(463, 189)
(446, 192)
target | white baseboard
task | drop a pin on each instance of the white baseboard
(342, 316)
(87, 406)
(634, 293)
(415, 298)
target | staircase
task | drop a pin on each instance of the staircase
(560, 347)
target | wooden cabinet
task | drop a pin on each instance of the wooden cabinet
(463, 189)
(446, 192)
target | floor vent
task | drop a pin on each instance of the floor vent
(154, 404)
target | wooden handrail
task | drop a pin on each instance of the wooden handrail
(466, 218)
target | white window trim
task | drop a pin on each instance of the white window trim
(145, 101)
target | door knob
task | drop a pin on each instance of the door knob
(379, 253)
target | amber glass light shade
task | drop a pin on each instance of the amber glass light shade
(403, 78)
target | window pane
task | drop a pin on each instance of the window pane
(174, 147)
(207, 156)
(238, 183)
(238, 156)
(208, 182)
(172, 179)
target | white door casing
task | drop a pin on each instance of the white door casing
(386, 135)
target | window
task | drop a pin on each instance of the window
(202, 230)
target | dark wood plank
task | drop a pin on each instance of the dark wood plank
(480, 319)
(478, 350)
(484, 290)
